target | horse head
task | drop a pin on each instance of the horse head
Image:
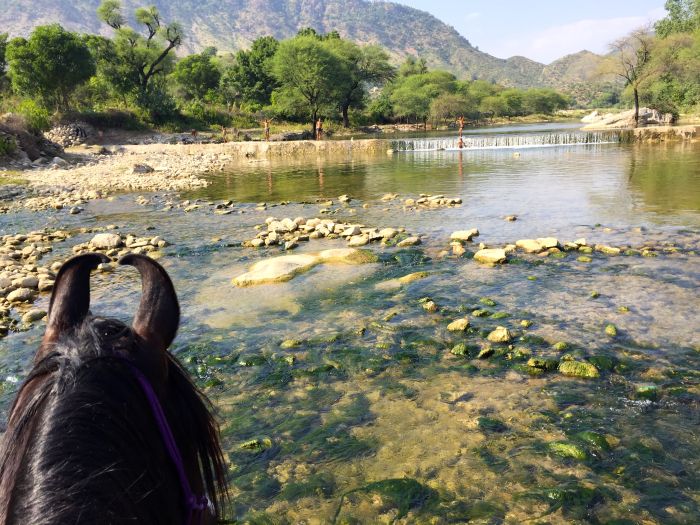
(108, 426)
(145, 342)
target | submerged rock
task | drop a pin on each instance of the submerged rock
(568, 450)
(458, 325)
(529, 245)
(464, 235)
(500, 335)
(286, 267)
(578, 369)
(491, 256)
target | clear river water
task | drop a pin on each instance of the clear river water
(365, 414)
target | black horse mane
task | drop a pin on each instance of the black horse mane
(83, 446)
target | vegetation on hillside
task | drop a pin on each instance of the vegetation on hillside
(300, 79)
(233, 25)
(661, 68)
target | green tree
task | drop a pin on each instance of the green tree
(366, 66)
(411, 96)
(673, 79)
(683, 17)
(628, 60)
(49, 65)
(450, 106)
(250, 78)
(306, 69)
(412, 66)
(543, 100)
(197, 76)
(138, 63)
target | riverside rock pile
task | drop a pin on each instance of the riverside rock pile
(425, 200)
(289, 232)
(115, 245)
(22, 280)
(58, 199)
(72, 134)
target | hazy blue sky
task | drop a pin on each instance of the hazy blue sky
(542, 30)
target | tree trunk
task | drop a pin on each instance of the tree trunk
(636, 107)
(346, 119)
(314, 118)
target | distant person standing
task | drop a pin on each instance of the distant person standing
(319, 129)
(460, 122)
(266, 129)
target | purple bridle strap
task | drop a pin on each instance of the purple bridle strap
(195, 505)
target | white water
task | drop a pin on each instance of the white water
(517, 141)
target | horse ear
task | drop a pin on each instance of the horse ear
(158, 315)
(70, 300)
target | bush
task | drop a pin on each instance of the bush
(112, 118)
(7, 145)
(36, 118)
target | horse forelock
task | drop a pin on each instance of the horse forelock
(83, 392)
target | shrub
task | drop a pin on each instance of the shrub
(7, 145)
(36, 118)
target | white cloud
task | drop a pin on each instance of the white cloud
(471, 16)
(557, 41)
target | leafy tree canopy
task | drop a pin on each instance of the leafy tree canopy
(683, 17)
(197, 76)
(49, 65)
(139, 60)
(250, 79)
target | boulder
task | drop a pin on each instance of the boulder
(491, 256)
(529, 245)
(500, 335)
(409, 241)
(286, 267)
(20, 295)
(106, 241)
(464, 235)
(458, 325)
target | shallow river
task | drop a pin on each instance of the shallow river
(364, 415)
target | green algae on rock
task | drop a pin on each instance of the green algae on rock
(611, 330)
(568, 450)
(578, 369)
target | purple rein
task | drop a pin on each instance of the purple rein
(194, 505)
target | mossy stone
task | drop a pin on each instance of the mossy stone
(500, 315)
(611, 330)
(568, 450)
(526, 323)
(560, 346)
(460, 349)
(578, 369)
(290, 343)
(543, 363)
(647, 392)
(584, 259)
(485, 352)
(594, 439)
(487, 302)
(481, 313)
(602, 362)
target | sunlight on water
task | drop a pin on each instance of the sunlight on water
(367, 409)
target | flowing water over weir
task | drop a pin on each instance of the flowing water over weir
(574, 138)
(346, 395)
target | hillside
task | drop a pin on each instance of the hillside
(233, 24)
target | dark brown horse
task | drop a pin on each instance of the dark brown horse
(108, 427)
